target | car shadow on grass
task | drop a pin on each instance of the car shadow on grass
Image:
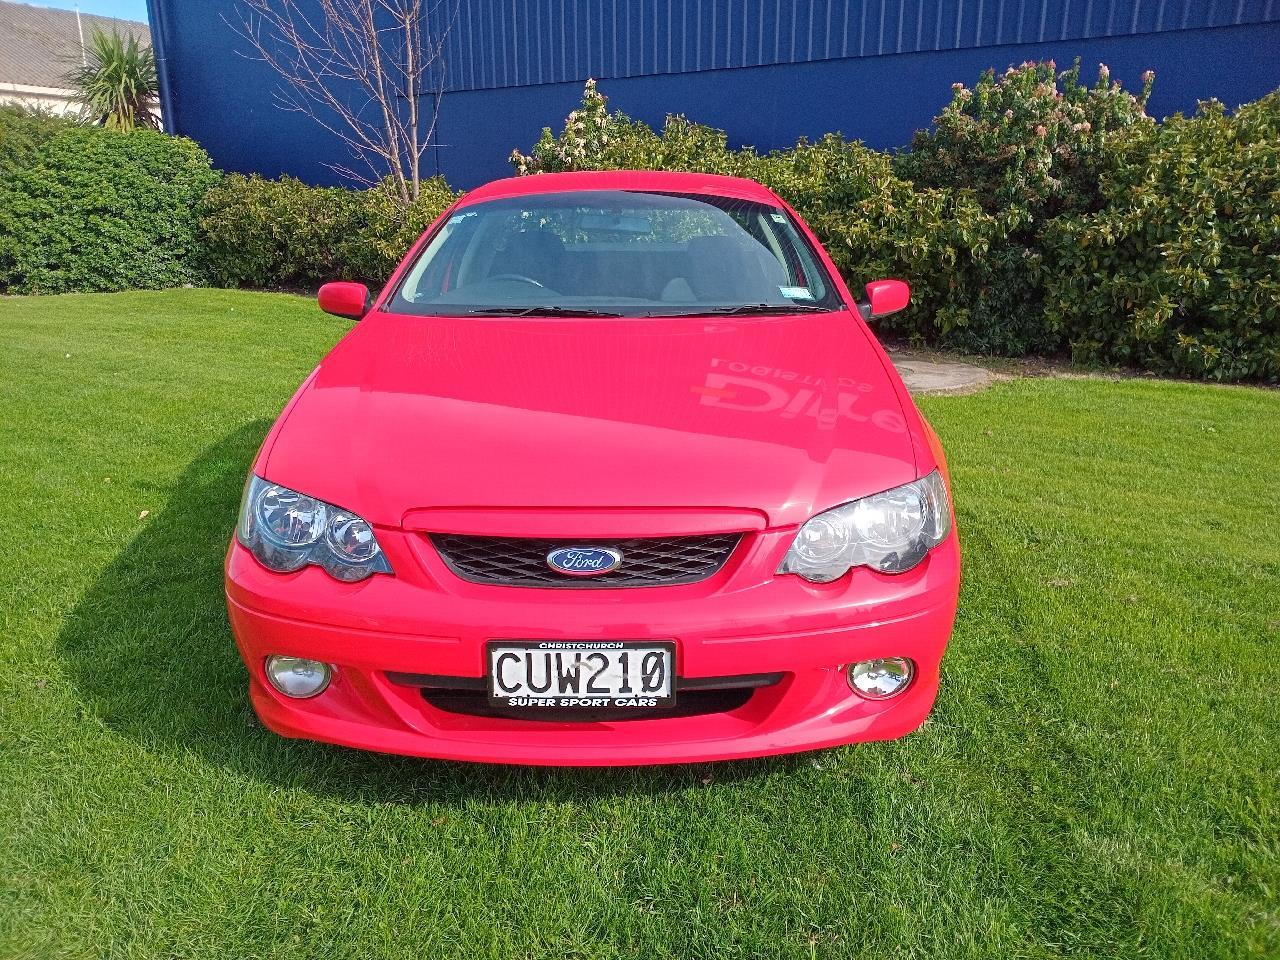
(150, 649)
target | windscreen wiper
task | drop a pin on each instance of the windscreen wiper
(750, 308)
(548, 311)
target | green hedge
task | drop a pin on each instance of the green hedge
(1039, 215)
(1179, 271)
(22, 133)
(84, 208)
(92, 209)
(872, 221)
(1031, 140)
(1030, 145)
(284, 233)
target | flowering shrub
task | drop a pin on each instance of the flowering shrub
(873, 222)
(1179, 272)
(1038, 214)
(595, 139)
(1030, 141)
(583, 143)
(1031, 145)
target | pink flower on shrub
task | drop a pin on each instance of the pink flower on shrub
(1041, 131)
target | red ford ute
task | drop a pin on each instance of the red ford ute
(613, 471)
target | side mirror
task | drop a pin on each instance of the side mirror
(344, 299)
(883, 298)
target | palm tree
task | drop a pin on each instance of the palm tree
(117, 82)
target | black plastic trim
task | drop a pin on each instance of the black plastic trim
(439, 681)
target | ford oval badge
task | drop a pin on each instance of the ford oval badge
(584, 561)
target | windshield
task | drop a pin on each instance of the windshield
(616, 253)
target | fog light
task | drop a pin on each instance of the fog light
(881, 679)
(298, 678)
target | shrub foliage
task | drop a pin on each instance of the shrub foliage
(1039, 214)
(1179, 271)
(1030, 145)
(96, 209)
(284, 233)
(1030, 141)
(22, 132)
(871, 221)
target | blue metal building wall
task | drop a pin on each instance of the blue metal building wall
(507, 43)
(765, 70)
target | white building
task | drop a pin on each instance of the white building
(39, 45)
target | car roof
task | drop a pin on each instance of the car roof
(664, 181)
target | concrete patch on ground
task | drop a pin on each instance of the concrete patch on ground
(938, 376)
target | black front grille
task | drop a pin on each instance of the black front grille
(646, 562)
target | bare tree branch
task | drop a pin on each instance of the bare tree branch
(360, 69)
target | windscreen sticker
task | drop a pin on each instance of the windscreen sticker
(777, 218)
(796, 293)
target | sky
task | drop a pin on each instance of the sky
(124, 9)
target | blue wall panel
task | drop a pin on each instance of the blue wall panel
(502, 43)
(880, 100)
(873, 69)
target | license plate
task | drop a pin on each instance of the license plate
(589, 674)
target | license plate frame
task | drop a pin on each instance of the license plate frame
(510, 687)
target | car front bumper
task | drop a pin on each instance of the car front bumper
(425, 621)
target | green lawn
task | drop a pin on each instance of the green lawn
(1099, 777)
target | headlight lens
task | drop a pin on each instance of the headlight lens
(290, 518)
(890, 532)
(351, 537)
(286, 530)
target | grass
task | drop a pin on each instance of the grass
(1099, 778)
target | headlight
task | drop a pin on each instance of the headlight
(287, 530)
(890, 532)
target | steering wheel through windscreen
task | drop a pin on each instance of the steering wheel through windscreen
(518, 276)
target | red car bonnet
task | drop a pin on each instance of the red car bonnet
(785, 415)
